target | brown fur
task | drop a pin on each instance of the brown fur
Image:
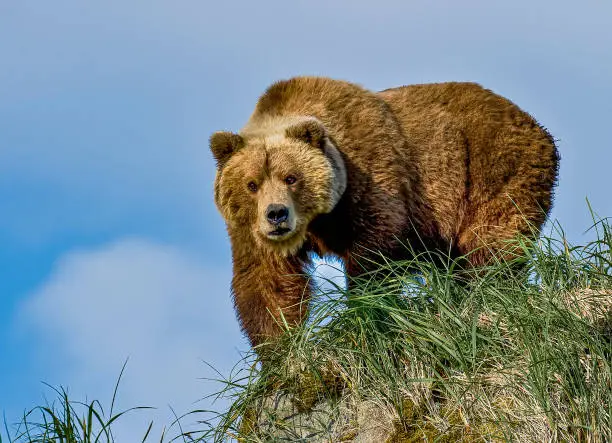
(448, 166)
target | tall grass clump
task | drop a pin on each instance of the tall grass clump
(519, 351)
(64, 420)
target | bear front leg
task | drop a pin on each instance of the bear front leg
(268, 289)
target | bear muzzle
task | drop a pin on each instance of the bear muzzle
(278, 218)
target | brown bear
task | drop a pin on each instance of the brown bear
(326, 166)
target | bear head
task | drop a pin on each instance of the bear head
(275, 177)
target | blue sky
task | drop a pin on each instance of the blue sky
(111, 244)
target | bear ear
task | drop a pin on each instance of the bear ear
(223, 145)
(310, 131)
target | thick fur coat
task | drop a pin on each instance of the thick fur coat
(328, 167)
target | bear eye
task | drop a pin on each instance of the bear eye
(290, 179)
(252, 186)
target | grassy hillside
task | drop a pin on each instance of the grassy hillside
(519, 352)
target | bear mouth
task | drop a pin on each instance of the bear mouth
(279, 232)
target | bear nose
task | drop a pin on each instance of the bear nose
(277, 214)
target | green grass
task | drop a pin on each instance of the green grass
(519, 353)
(512, 353)
(68, 421)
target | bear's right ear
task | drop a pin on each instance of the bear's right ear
(223, 145)
(310, 131)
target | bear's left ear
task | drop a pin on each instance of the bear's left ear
(310, 131)
(223, 145)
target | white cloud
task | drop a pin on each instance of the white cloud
(149, 302)
(152, 303)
